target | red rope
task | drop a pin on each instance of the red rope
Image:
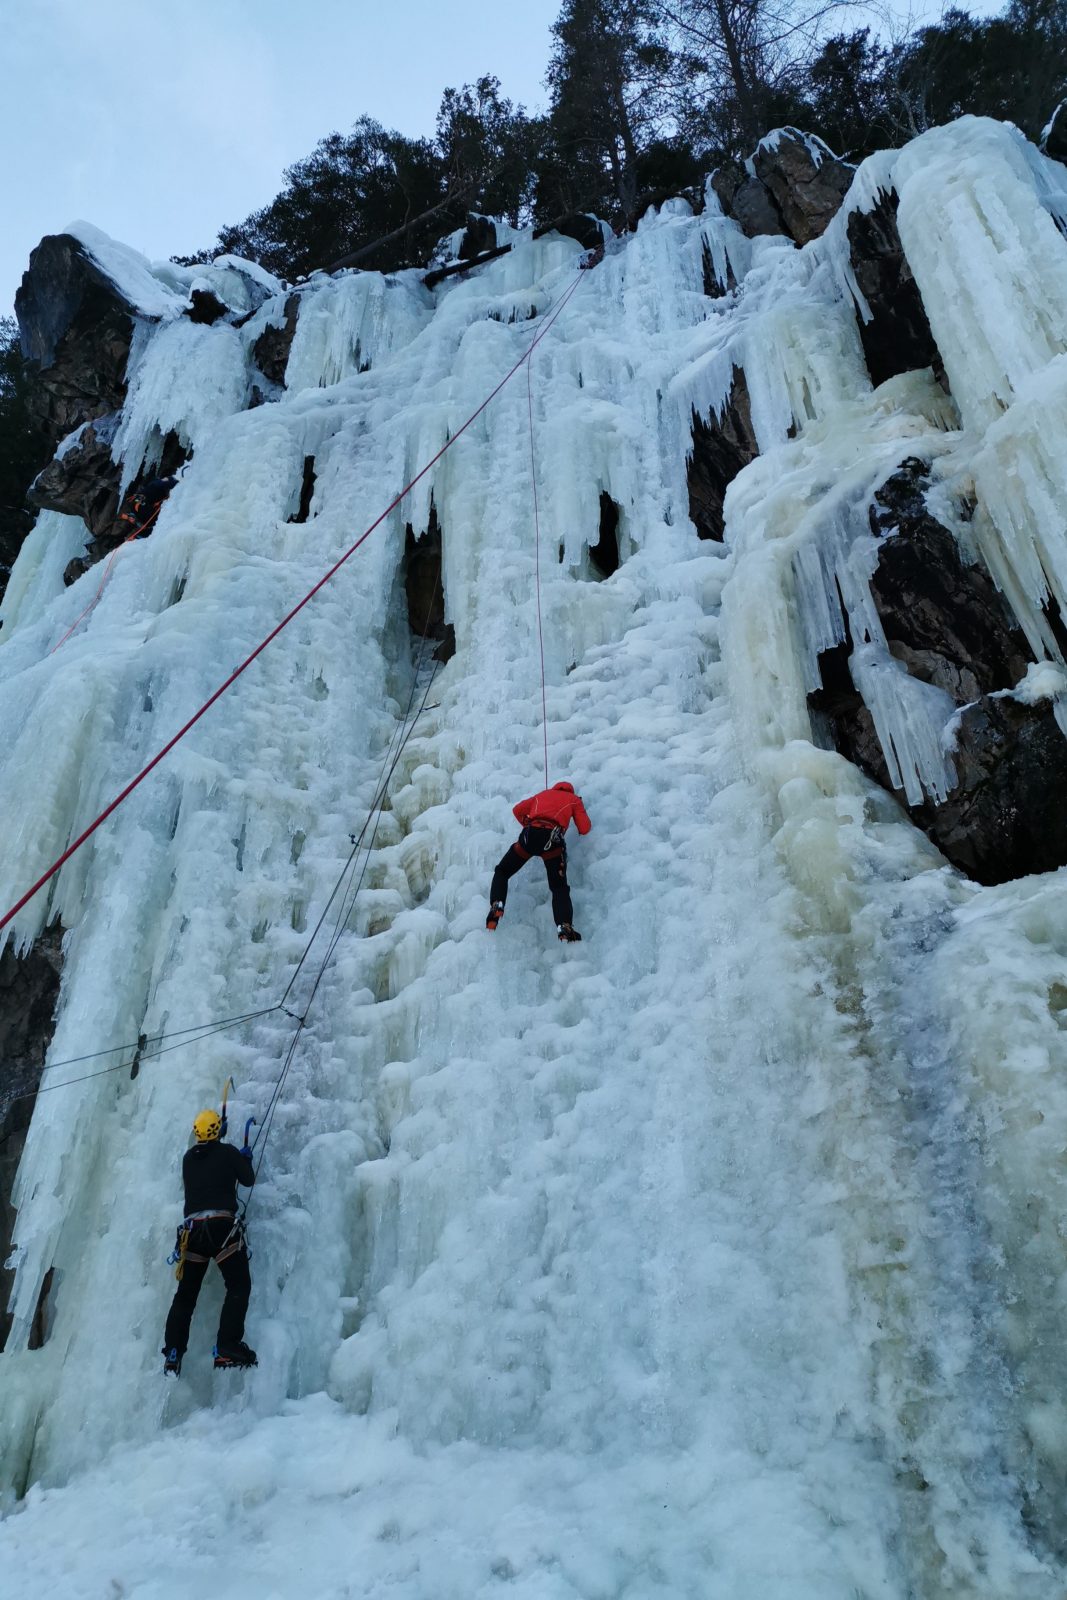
(284, 623)
(110, 563)
(537, 561)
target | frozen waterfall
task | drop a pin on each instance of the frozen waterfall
(719, 1255)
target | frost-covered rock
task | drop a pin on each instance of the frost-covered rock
(29, 987)
(271, 349)
(896, 335)
(1054, 134)
(744, 198)
(804, 179)
(948, 625)
(82, 479)
(76, 326)
(1006, 816)
(723, 443)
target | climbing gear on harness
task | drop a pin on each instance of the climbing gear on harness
(234, 1240)
(181, 1252)
(568, 935)
(207, 1125)
(172, 1362)
(235, 1355)
(176, 1259)
(496, 911)
(530, 843)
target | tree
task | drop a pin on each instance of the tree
(350, 191)
(607, 76)
(1013, 67)
(746, 61)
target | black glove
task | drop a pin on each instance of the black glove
(246, 1150)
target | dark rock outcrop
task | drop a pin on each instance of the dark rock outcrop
(796, 185)
(425, 589)
(84, 480)
(271, 350)
(76, 330)
(744, 198)
(29, 988)
(204, 306)
(1005, 817)
(722, 445)
(479, 236)
(806, 181)
(577, 225)
(1054, 136)
(604, 555)
(897, 338)
(947, 623)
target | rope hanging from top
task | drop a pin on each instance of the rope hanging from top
(160, 755)
(537, 561)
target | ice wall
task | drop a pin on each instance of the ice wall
(711, 1256)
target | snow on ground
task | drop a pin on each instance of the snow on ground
(719, 1255)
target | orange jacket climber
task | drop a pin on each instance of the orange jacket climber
(556, 807)
(545, 818)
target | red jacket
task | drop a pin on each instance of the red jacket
(554, 808)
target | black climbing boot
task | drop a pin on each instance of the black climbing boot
(235, 1355)
(568, 935)
(172, 1361)
(496, 911)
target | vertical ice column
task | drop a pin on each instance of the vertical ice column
(991, 266)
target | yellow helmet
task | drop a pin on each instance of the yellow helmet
(207, 1125)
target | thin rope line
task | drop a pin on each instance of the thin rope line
(150, 766)
(537, 560)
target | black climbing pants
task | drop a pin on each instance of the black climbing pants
(536, 842)
(206, 1239)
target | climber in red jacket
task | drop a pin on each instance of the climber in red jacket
(545, 818)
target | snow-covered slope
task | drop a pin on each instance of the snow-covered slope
(720, 1255)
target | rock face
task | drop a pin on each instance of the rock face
(578, 225)
(722, 445)
(424, 587)
(271, 350)
(804, 179)
(897, 338)
(1006, 817)
(1054, 135)
(76, 331)
(746, 200)
(794, 188)
(84, 480)
(480, 235)
(947, 622)
(29, 987)
(948, 625)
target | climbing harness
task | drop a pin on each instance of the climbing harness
(526, 844)
(235, 1240)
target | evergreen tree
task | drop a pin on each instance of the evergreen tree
(608, 79)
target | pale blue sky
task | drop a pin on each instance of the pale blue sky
(161, 122)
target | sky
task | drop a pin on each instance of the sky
(161, 123)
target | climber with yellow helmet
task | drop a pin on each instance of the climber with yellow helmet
(211, 1231)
